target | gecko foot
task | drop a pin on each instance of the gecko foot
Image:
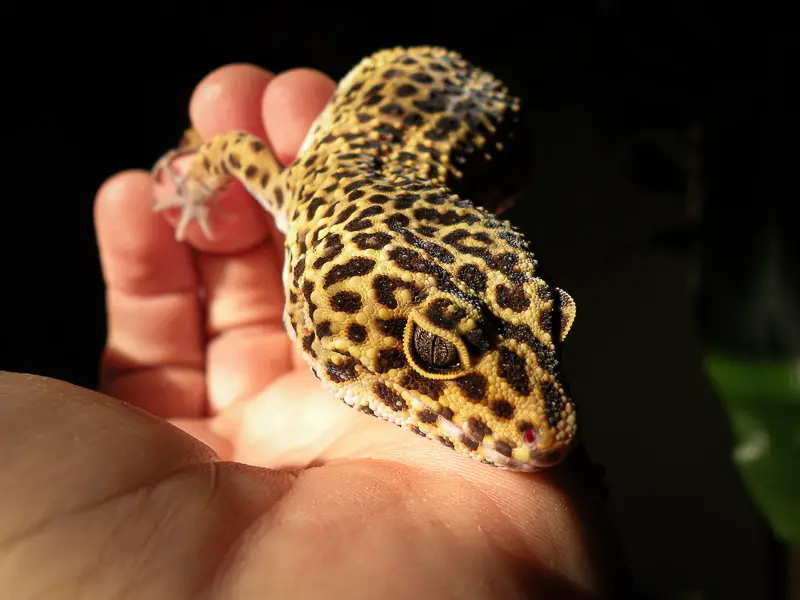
(193, 196)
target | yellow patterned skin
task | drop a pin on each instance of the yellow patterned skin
(410, 302)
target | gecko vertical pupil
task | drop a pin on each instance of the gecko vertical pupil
(434, 351)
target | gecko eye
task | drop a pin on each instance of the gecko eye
(434, 352)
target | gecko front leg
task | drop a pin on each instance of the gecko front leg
(217, 162)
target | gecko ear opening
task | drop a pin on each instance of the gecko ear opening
(567, 308)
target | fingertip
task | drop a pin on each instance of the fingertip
(230, 97)
(292, 101)
(118, 195)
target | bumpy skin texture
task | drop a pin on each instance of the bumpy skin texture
(409, 301)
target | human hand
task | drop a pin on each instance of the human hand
(103, 500)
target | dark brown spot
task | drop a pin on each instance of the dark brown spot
(397, 222)
(405, 90)
(443, 313)
(307, 341)
(553, 403)
(362, 221)
(435, 104)
(392, 73)
(331, 252)
(392, 109)
(379, 198)
(346, 213)
(346, 302)
(234, 160)
(421, 77)
(323, 329)
(448, 124)
(473, 277)
(413, 120)
(344, 372)
(446, 413)
(514, 239)
(390, 398)
(313, 206)
(478, 429)
(372, 241)
(251, 171)
(356, 333)
(355, 267)
(521, 333)
(410, 260)
(430, 387)
(435, 250)
(513, 298)
(546, 357)
(427, 416)
(308, 288)
(512, 369)
(264, 180)
(544, 292)
(503, 409)
(354, 185)
(503, 448)
(417, 430)
(473, 386)
(392, 327)
(388, 359)
(446, 442)
(506, 263)
(404, 201)
(385, 287)
(297, 271)
(469, 442)
(357, 195)
(546, 320)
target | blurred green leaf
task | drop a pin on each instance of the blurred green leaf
(762, 401)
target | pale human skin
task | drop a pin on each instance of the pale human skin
(279, 491)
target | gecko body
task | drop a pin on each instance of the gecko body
(410, 301)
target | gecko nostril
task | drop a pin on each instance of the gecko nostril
(530, 436)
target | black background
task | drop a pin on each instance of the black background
(611, 93)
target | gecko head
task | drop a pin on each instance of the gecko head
(492, 380)
(463, 350)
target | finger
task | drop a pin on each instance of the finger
(228, 98)
(291, 103)
(154, 352)
(249, 347)
(240, 274)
